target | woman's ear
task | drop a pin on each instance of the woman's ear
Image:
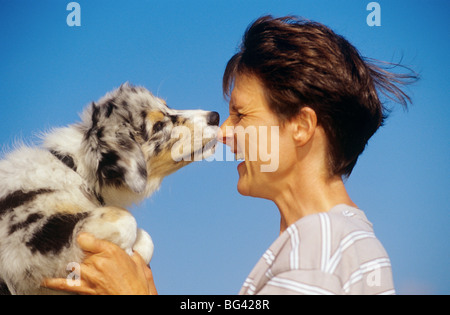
(303, 126)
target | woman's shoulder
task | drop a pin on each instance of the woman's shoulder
(307, 242)
(338, 221)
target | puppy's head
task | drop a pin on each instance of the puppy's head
(132, 137)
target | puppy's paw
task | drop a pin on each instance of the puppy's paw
(115, 225)
(144, 245)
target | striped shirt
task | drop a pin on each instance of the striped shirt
(334, 252)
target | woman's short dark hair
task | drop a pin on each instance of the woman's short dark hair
(304, 63)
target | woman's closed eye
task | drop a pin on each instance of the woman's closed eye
(236, 116)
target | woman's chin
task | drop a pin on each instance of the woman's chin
(242, 186)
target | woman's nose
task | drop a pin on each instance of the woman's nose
(226, 134)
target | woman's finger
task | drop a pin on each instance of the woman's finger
(60, 284)
(139, 261)
(90, 244)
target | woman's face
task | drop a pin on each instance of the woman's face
(253, 133)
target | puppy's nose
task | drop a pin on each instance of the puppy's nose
(213, 119)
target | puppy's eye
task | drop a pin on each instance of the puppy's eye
(174, 119)
(158, 126)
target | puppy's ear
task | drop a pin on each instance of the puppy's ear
(111, 145)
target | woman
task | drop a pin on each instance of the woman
(297, 89)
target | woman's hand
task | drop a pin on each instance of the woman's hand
(108, 270)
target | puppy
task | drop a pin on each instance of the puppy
(84, 176)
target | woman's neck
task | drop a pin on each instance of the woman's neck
(301, 198)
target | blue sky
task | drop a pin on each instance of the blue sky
(208, 237)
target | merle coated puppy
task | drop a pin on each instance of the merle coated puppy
(82, 178)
